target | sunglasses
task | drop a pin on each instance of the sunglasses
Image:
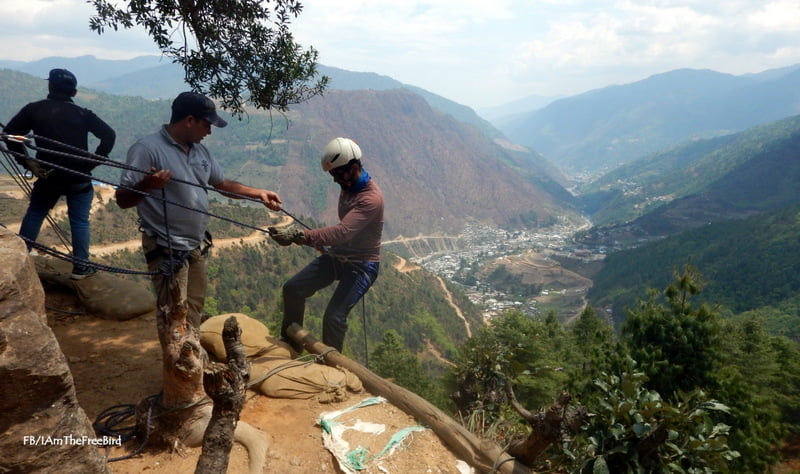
(340, 171)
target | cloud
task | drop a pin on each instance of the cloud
(476, 52)
(780, 16)
(361, 33)
(631, 40)
(42, 28)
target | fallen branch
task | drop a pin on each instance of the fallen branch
(484, 455)
(549, 425)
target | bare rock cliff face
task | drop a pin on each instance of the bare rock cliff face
(42, 427)
(435, 172)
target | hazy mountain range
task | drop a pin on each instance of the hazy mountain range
(736, 175)
(604, 128)
(684, 150)
(437, 172)
(597, 130)
(154, 77)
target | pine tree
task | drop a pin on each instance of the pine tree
(676, 345)
(593, 350)
(515, 348)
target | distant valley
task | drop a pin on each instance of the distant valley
(667, 207)
(602, 129)
(666, 155)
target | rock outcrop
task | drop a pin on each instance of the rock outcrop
(42, 427)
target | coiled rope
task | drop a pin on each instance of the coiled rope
(114, 421)
(109, 422)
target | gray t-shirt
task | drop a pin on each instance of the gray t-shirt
(160, 151)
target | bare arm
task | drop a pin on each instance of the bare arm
(269, 198)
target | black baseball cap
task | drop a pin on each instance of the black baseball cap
(63, 80)
(198, 106)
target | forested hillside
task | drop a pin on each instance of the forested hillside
(747, 264)
(428, 164)
(605, 128)
(435, 171)
(689, 186)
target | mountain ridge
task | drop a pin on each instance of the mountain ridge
(436, 172)
(712, 180)
(604, 128)
(155, 77)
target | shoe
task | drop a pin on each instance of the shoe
(81, 273)
(295, 346)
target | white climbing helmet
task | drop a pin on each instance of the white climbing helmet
(338, 152)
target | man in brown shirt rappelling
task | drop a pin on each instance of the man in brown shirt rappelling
(351, 248)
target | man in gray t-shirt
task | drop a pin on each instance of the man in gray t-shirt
(174, 156)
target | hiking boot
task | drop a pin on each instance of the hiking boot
(81, 273)
(295, 346)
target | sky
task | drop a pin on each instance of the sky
(476, 52)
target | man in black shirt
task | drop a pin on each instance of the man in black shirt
(60, 121)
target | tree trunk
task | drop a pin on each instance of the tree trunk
(226, 385)
(483, 455)
(174, 416)
(181, 414)
(548, 426)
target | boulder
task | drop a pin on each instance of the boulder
(42, 427)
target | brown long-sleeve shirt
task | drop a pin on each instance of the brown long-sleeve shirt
(357, 236)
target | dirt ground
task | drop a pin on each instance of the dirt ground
(119, 363)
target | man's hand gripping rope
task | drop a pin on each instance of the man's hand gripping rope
(286, 235)
(31, 164)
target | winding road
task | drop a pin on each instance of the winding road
(404, 266)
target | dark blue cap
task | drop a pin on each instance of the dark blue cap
(63, 80)
(198, 106)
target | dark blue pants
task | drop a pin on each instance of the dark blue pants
(355, 278)
(44, 196)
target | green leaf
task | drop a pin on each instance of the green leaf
(628, 388)
(641, 429)
(600, 466)
(713, 405)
